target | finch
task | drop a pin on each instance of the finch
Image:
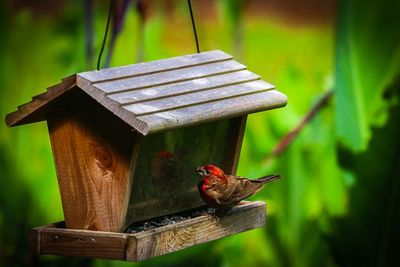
(220, 190)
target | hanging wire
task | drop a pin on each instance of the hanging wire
(110, 13)
(194, 27)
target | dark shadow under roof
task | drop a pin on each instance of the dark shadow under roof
(165, 94)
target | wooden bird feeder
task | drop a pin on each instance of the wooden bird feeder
(126, 142)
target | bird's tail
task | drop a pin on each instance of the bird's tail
(267, 179)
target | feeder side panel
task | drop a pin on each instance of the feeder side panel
(164, 180)
(92, 152)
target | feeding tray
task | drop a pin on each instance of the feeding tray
(126, 142)
(55, 239)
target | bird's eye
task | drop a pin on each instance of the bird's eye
(207, 172)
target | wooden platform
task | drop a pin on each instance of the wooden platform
(54, 239)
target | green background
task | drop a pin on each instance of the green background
(338, 204)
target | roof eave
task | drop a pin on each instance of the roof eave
(33, 111)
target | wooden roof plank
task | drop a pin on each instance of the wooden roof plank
(191, 86)
(168, 77)
(155, 66)
(165, 94)
(213, 111)
(115, 108)
(197, 98)
(33, 111)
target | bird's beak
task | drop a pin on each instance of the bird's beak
(199, 171)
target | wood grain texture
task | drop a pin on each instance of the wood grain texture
(185, 87)
(197, 98)
(195, 231)
(36, 109)
(213, 110)
(168, 77)
(55, 240)
(156, 66)
(165, 94)
(92, 151)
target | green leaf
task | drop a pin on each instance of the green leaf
(367, 61)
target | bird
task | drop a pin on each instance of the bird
(221, 191)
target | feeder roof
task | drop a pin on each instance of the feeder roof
(164, 94)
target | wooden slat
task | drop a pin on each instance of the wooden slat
(195, 85)
(53, 240)
(216, 110)
(82, 243)
(36, 109)
(34, 241)
(197, 98)
(156, 80)
(195, 231)
(170, 76)
(155, 66)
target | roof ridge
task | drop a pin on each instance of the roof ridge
(164, 94)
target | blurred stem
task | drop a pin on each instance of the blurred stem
(141, 9)
(238, 33)
(235, 10)
(88, 12)
(288, 138)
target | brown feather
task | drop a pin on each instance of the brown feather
(267, 179)
(219, 190)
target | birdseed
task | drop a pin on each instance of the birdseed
(167, 220)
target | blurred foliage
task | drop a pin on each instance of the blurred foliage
(367, 94)
(368, 60)
(374, 203)
(338, 204)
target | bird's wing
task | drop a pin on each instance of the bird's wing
(240, 188)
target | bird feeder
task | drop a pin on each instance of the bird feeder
(126, 142)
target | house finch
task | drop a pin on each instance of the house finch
(220, 190)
